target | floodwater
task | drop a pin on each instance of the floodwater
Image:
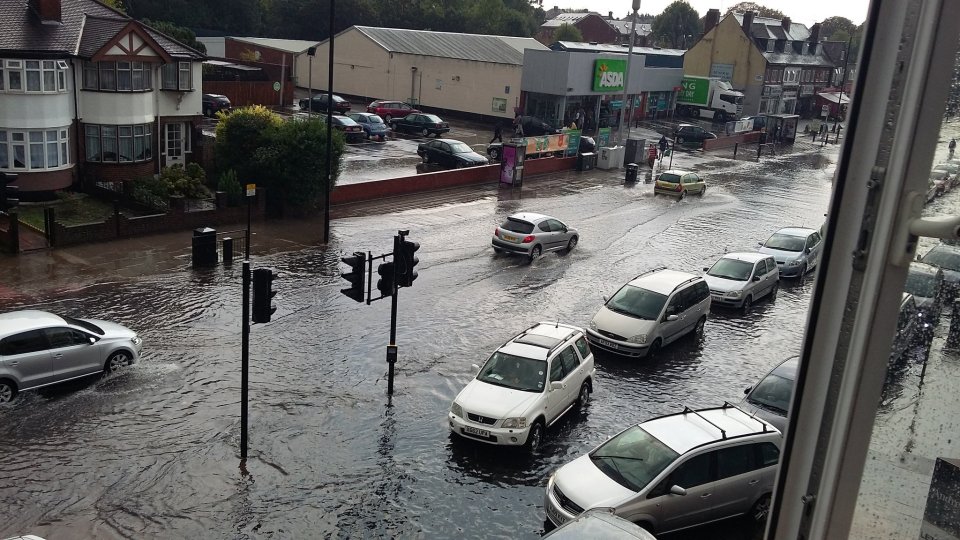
(152, 452)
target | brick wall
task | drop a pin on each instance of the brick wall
(44, 181)
(723, 142)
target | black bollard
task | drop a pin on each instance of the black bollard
(227, 250)
(735, 147)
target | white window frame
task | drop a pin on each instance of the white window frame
(52, 143)
(24, 70)
(93, 76)
(177, 76)
(142, 140)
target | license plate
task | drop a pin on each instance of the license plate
(717, 297)
(555, 516)
(509, 238)
(606, 343)
(476, 431)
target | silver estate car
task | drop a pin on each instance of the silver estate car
(739, 279)
(38, 349)
(796, 250)
(532, 235)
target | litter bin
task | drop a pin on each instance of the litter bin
(586, 161)
(204, 247)
(632, 169)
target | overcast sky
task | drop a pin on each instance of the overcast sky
(804, 11)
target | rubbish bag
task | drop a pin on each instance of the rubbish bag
(666, 152)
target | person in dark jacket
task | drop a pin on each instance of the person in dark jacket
(497, 135)
(663, 144)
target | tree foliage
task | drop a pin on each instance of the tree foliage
(567, 32)
(677, 27)
(763, 11)
(239, 135)
(180, 33)
(831, 25)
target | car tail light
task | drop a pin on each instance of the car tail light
(528, 238)
(496, 232)
(678, 187)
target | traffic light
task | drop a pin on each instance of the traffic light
(356, 275)
(385, 284)
(9, 199)
(407, 262)
(263, 294)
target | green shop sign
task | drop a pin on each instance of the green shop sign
(608, 75)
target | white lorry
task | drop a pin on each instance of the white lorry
(709, 97)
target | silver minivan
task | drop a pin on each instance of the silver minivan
(652, 310)
(38, 349)
(674, 472)
(739, 279)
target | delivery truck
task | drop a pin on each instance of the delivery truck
(709, 97)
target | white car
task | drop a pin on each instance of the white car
(525, 386)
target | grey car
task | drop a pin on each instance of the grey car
(947, 257)
(770, 398)
(532, 235)
(38, 349)
(796, 250)
(926, 283)
(739, 279)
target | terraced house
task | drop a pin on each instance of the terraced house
(89, 94)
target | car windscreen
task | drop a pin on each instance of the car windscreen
(345, 121)
(772, 393)
(921, 284)
(432, 118)
(637, 302)
(669, 177)
(633, 458)
(83, 324)
(515, 372)
(460, 148)
(374, 119)
(943, 258)
(786, 242)
(517, 226)
(731, 269)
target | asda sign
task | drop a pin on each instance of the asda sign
(608, 75)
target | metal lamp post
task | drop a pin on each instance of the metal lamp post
(329, 112)
(626, 77)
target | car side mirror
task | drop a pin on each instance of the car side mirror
(475, 367)
(747, 389)
(918, 256)
(756, 278)
(706, 269)
(760, 244)
(677, 490)
(806, 250)
(672, 317)
(605, 298)
(556, 385)
(93, 340)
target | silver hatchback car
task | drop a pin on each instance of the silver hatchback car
(532, 235)
(739, 279)
(38, 349)
(796, 249)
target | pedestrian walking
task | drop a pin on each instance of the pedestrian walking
(663, 145)
(651, 155)
(952, 145)
(497, 135)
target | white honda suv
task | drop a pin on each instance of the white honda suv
(525, 386)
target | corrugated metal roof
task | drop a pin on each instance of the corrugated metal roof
(576, 46)
(476, 47)
(624, 27)
(565, 18)
(295, 46)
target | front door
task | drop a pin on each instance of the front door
(174, 144)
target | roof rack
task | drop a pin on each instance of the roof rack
(682, 283)
(727, 404)
(656, 269)
(723, 432)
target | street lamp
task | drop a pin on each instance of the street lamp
(626, 77)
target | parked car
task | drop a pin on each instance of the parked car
(739, 279)
(320, 105)
(424, 124)
(599, 524)
(796, 250)
(529, 383)
(947, 258)
(532, 235)
(373, 126)
(926, 283)
(909, 327)
(931, 190)
(352, 131)
(674, 472)
(535, 127)
(952, 170)
(941, 181)
(770, 398)
(214, 103)
(678, 183)
(450, 153)
(689, 133)
(388, 110)
(652, 310)
(38, 349)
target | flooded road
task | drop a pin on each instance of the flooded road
(152, 452)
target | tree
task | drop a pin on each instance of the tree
(830, 26)
(180, 33)
(567, 32)
(763, 11)
(677, 27)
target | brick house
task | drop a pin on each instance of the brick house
(592, 26)
(88, 93)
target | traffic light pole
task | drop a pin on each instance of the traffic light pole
(244, 362)
(392, 347)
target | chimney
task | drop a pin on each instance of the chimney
(610, 16)
(712, 19)
(814, 37)
(748, 22)
(785, 23)
(48, 11)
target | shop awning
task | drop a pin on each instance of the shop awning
(834, 97)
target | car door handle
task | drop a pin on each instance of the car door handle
(752, 482)
(58, 355)
(705, 495)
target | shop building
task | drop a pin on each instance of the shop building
(589, 79)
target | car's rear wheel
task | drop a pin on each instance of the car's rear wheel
(703, 190)
(774, 290)
(679, 140)
(572, 243)
(426, 158)
(698, 329)
(584, 397)
(8, 390)
(426, 132)
(535, 252)
(116, 361)
(535, 437)
(495, 154)
(760, 511)
(387, 118)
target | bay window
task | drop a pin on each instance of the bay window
(33, 76)
(117, 76)
(34, 150)
(118, 144)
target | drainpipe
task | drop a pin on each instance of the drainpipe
(78, 133)
(413, 81)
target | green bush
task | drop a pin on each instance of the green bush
(151, 191)
(228, 183)
(185, 182)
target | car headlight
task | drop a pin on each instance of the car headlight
(639, 338)
(456, 409)
(593, 325)
(517, 422)
(136, 340)
(795, 262)
(734, 294)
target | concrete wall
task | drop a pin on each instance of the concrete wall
(571, 73)
(727, 43)
(363, 68)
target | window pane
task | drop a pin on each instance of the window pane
(61, 80)
(91, 80)
(33, 80)
(64, 155)
(93, 142)
(16, 80)
(148, 143)
(169, 77)
(108, 138)
(19, 156)
(123, 76)
(126, 143)
(137, 80)
(53, 159)
(185, 76)
(4, 156)
(2, 80)
(49, 80)
(36, 155)
(108, 76)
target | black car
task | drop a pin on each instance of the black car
(451, 153)
(319, 104)
(534, 127)
(214, 103)
(691, 134)
(425, 124)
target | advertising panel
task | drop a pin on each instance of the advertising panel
(608, 75)
(695, 91)
(548, 143)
